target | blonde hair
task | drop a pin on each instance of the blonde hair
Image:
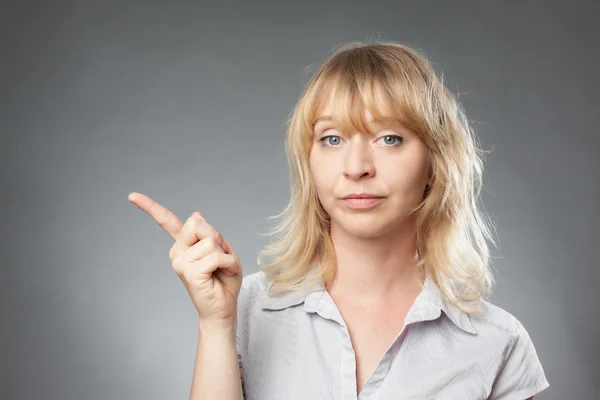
(452, 232)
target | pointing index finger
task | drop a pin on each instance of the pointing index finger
(162, 215)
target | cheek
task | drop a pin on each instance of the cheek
(419, 161)
(323, 175)
(314, 166)
(323, 181)
(411, 175)
(416, 174)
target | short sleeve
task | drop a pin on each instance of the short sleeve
(521, 375)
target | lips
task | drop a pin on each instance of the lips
(361, 196)
(362, 202)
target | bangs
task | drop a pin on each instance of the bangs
(357, 81)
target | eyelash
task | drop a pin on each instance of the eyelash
(398, 142)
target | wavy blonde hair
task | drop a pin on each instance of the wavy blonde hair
(452, 232)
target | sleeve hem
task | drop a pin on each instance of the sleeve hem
(524, 394)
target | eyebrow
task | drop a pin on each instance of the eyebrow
(380, 121)
(323, 118)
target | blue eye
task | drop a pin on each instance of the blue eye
(395, 140)
(324, 138)
(393, 143)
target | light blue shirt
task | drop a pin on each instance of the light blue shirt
(297, 346)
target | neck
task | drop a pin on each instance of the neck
(375, 269)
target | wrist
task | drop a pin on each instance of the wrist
(218, 327)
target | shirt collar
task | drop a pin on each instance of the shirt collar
(428, 305)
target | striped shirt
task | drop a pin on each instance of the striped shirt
(297, 346)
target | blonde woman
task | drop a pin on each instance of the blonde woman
(374, 285)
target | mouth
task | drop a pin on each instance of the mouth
(362, 202)
(362, 196)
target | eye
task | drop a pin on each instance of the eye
(392, 140)
(334, 142)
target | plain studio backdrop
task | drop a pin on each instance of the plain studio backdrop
(186, 102)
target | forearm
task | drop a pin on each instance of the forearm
(216, 370)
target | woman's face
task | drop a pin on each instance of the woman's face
(390, 162)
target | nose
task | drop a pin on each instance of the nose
(358, 161)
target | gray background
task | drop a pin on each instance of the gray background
(186, 102)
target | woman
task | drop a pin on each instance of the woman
(378, 273)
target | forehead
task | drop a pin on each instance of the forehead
(352, 110)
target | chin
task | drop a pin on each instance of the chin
(366, 235)
(364, 227)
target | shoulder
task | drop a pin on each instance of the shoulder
(255, 281)
(256, 307)
(498, 330)
(259, 315)
(254, 290)
(517, 369)
(496, 324)
(253, 293)
(496, 321)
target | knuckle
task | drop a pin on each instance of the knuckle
(214, 258)
(172, 254)
(198, 223)
(214, 237)
(177, 232)
(177, 266)
(211, 242)
(217, 236)
(186, 276)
